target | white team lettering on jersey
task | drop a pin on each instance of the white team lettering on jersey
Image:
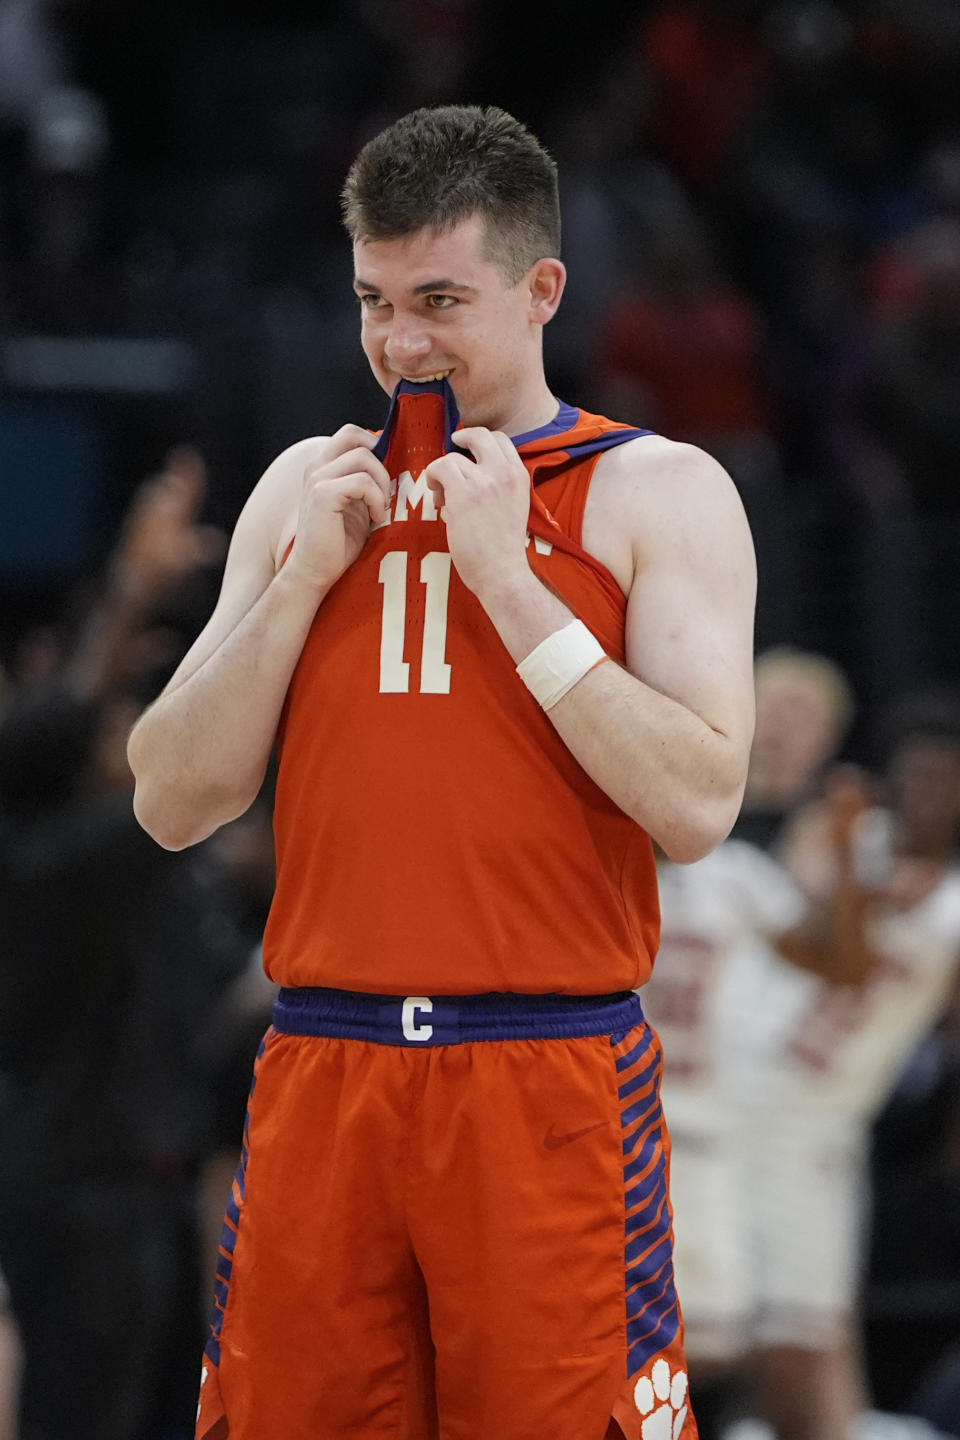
(417, 494)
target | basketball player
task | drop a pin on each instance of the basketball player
(803, 1057)
(497, 661)
(812, 1078)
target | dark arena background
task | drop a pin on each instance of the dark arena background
(761, 209)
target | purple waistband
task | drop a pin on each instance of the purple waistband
(425, 1020)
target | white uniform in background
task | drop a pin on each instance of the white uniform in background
(809, 1067)
(772, 1078)
(711, 912)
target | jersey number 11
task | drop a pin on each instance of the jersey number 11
(434, 670)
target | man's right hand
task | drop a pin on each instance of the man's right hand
(345, 495)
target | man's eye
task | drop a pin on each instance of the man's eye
(441, 302)
(372, 302)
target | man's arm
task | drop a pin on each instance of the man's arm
(200, 752)
(667, 738)
(833, 939)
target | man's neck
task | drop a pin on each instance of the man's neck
(529, 414)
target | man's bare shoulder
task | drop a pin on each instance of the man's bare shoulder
(651, 467)
(289, 466)
(272, 507)
(658, 485)
(651, 489)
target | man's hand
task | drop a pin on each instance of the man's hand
(819, 843)
(344, 496)
(486, 506)
(160, 545)
(161, 542)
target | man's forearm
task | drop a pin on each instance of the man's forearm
(199, 753)
(661, 763)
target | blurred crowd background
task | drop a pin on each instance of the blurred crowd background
(762, 225)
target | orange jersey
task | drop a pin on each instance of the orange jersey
(434, 834)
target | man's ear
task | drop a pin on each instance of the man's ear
(546, 280)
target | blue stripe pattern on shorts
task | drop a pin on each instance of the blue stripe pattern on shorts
(653, 1314)
(231, 1226)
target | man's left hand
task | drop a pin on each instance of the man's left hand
(486, 507)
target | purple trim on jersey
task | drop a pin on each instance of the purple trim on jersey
(426, 387)
(564, 420)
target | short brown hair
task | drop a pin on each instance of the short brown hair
(436, 167)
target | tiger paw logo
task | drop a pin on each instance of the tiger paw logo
(661, 1399)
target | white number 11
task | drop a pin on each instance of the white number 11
(434, 670)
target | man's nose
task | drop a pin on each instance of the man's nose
(407, 341)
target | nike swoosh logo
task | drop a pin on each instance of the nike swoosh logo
(553, 1141)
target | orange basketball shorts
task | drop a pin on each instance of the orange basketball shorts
(450, 1222)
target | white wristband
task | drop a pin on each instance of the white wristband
(559, 662)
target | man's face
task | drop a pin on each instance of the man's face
(433, 305)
